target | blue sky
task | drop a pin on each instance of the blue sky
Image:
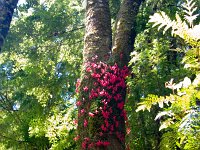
(21, 1)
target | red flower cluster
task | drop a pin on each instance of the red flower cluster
(102, 143)
(109, 89)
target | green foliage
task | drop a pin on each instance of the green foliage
(153, 62)
(179, 27)
(168, 140)
(149, 7)
(37, 83)
(180, 114)
(114, 8)
(60, 129)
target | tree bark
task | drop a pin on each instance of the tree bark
(125, 34)
(101, 116)
(6, 12)
(123, 42)
(98, 32)
(97, 47)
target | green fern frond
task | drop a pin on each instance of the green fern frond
(191, 60)
(189, 10)
(195, 33)
(164, 113)
(165, 124)
(162, 20)
(179, 27)
(149, 101)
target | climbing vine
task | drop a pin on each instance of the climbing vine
(105, 104)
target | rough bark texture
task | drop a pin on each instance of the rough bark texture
(123, 41)
(6, 12)
(125, 31)
(98, 31)
(97, 47)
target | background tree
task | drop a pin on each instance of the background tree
(6, 13)
(37, 81)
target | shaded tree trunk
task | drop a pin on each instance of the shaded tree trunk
(125, 34)
(6, 12)
(102, 89)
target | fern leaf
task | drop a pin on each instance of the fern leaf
(180, 27)
(190, 19)
(162, 20)
(189, 10)
(141, 107)
(165, 124)
(168, 26)
(195, 32)
(164, 113)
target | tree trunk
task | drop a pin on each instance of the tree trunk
(102, 88)
(125, 34)
(6, 12)
(98, 32)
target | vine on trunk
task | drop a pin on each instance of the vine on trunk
(100, 98)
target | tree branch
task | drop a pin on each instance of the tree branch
(125, 34)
